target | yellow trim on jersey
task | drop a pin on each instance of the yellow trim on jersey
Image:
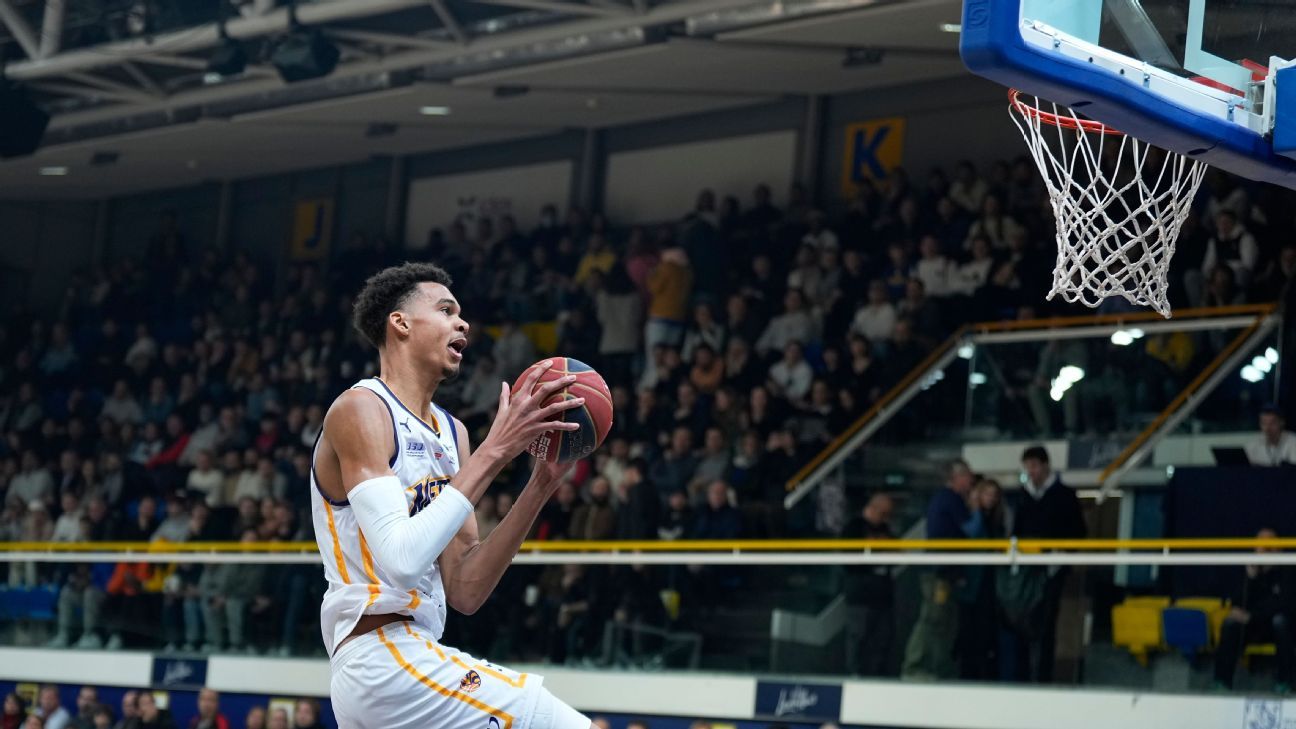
(518, 683)
(503, 716)
(434, 425)
(414, 600)
(367, 559)
(337, 544)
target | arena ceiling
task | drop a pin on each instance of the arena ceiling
(119, 83)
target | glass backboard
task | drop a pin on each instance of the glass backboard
(1193, 76)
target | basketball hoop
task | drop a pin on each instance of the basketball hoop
(1118, 210)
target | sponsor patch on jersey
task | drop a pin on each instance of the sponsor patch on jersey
(470, 682)
(416, 449)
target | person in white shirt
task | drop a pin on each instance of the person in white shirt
(795, 324)
(49, 709)
(820, 236)
(206, 479)
(1276, 445)
(972, 275)
(934, 269)
(876, 320)
(68, 526)
(792, 376)
(1232, 246)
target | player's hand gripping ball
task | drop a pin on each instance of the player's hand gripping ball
(595, 417)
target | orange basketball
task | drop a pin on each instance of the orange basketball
(595, 417)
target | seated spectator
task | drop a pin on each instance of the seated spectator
(599, 257)
(513, 350)
(596, 518)
(150, 716)
(278, 719)
(742, 370)
(50, 710)
(923, 312)
(15, 711)
(994, 224)
(256, 718)
(740, 321)
(673, 470)
(205, 480)
(122, 407)
(819, 237)
(1276, 446)
(209, 716)
(704, 329)
(1232, 246)
(876, 320)
(968, 191)
(717, 518)
(897, 271)
(678, 519)
(67, 528)
(969, 277)
(86, 702)
(1263, 611)
(690, 411)
(795, 324)
(712, 460)
(306, 714)
(936, 272)
(707, 373)
(791, 377)
(33, 482)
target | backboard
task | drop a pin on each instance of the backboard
(1204, 78)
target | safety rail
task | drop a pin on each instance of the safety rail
(1259, 318)
(1212, 551)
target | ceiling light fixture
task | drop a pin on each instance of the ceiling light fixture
(435, 111)
(951, 28)
(54, 171)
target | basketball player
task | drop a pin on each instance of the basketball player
(394, 485)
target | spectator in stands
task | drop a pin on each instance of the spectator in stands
(1276, 445)
(870, 595)
(979, 618)
(924, 314)
(1264, 606)
(227, 592)
(791, 377)
(278, 719)
(678, 519)
(618, 308)
(209, 716)
(102, 718)
(15, 711)
(255, 719)
(1232, 246)
(669, 287)
(129, 709)
(50, 710)
(150, 716)
(306, 714)
(673, 470)
(596, 518)
(795, 324)
(876, 321)
(930, 650)
(717, 519)
(934, 270)
(994, 224)
(86, 703)
(968, 191)
(1045, 508)
(638, 504)
(33, 483)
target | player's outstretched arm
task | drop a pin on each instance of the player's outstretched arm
(470, 569)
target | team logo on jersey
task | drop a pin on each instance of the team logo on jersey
(470, 682)
(421, 493)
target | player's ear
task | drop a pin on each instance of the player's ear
(400, 323)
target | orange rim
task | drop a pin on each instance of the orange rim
(1057, 120)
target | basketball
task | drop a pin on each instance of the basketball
(595, 417)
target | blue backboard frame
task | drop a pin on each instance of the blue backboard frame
(992, 45)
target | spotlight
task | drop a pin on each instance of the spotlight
(22, 123)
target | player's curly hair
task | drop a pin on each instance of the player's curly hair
(385, 292)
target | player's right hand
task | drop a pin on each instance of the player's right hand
(521, 418)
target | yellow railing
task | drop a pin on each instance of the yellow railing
(739, 545)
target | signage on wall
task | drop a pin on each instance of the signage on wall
(312, 233)
(874, 149)
(806, 701)
(179, 673)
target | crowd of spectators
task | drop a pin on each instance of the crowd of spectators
(142, 709)
(178, 396)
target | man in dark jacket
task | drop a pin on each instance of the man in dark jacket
(1264, 605)
(1045, 509)
(929, 654)
(870, 595)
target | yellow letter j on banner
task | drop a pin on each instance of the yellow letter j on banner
(312, 229)
(873, 150)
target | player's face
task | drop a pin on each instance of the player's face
(436, 329)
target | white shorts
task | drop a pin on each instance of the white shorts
(397, 677)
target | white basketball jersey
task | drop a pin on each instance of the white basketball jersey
(424, 457)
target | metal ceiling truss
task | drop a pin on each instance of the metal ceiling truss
(166, 72)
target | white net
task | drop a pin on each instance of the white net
(1118, 204)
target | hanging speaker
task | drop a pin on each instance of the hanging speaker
(304, 54)
(22, 123)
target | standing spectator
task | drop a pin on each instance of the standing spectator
(930, 651)
(227, 591)
(209, 716)
(1263, 609)
(619, 309)
(1045, 509)
(51, 712)
(636, 515)
(669, 287)
(870, 595)
(1276, 445)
